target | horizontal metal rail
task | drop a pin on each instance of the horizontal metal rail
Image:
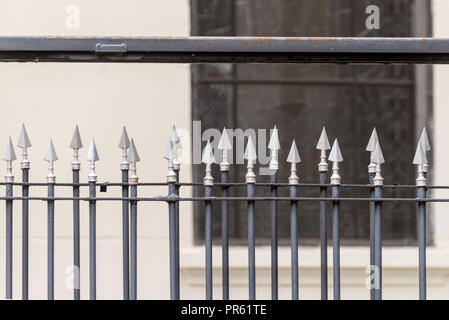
(224, 49)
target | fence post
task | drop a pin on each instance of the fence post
(124, 167)
(293, 181)
(92, 156)
(76, 144)
(9, 156)
(323, 145)
(251, 156)
(378, 160)
(224, 145)
(24, 143)
(371, 173)
(133, 158)
(51, 157)
(171, 181)
(274, 147)
(336, 157)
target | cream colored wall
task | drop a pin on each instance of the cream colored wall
(148, 99)
(51, 98)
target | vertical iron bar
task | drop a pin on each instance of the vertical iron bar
(177, 279)
(251, 244)
(371, 234)
(51, 243)
(133, 292)
(174, 295)
(76, 234)
(294, 243)
(92, 243)
(336, 241)
(208, 242)
(125, 233)
(274, 239)
(225, 237)
(422, 243)
(323, 236)
(9, 193)
(25, 193)
(378, 243)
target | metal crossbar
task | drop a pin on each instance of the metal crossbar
(216, 50)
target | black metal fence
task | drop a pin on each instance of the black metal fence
(210, 49)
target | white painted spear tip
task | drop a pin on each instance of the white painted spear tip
(378, 157)
(208, 154)
(274, 140)
(50, 154)
(225, 142)
(323, 142)
(420, 154)
(133, 156)
(293, 155)
(92, 153)
(76, 142)
(425, 140)
(250, 152)
(9, 154)
(169, 153)
(373, 140)
(124, 139)
(175, 139)
(335, 154)
(24, 140)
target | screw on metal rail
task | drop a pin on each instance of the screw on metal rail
(9, 156)
(76, 143)
(176, 167)
(224, 145)
(293, 158)
(251, 156)
(378, 160)
(336, 157)
(24, 143)
(50, 156)
(373, 141)
(170, 155)
(274, 147)
(133, 158)
(208, 181)
(92, 156)
(323, 145)
(420, 160)
(124, 166)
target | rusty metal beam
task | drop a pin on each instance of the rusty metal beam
(224, 49)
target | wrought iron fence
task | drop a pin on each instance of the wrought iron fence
(216, 49)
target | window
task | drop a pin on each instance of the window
(300, 99)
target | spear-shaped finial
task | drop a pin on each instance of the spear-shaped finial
(420, 160)
(24, 143)
(274, 147)
(9, 156)
(224, 145)
(177, 146)
(426, 146)
(336, 157)
(208, 158)
(170, 155)
(51, 157)
(293, 158)
(133, 158)
(373, 141)
(378, 160)
(124, 145)
(323, 145)
(251, 156)
(92, 156)
(76, 144)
